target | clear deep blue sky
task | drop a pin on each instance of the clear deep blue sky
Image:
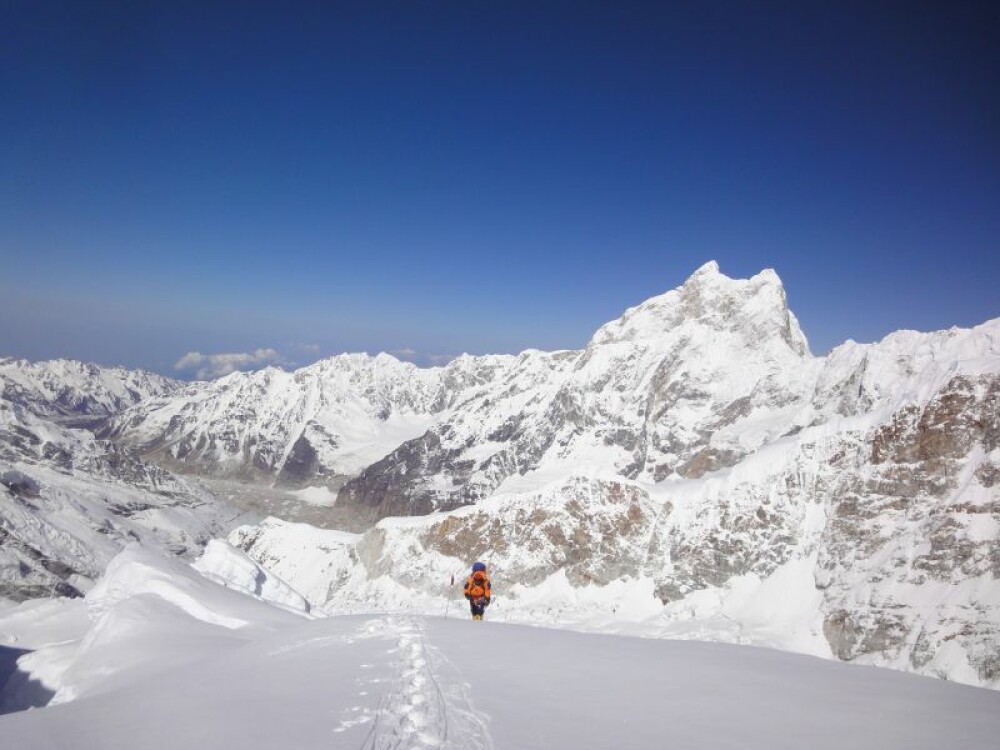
(484, 177)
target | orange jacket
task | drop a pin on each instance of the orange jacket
(478, 587)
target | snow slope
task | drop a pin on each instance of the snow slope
(170, 661)
(69, 503)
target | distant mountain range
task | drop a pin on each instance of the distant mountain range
(67, 389)
(694, 446)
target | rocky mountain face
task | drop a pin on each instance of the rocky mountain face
(916, 519)
(69, 502)
(881, 536)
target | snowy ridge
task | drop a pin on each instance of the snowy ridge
(148, 613)
(905, 367)
(68, 388)
(233, 569)
(157, 643)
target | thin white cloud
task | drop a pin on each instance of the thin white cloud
(212, 366)
(405, 353)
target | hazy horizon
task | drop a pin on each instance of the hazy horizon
(281, 185)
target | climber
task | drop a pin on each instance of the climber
(477, 590)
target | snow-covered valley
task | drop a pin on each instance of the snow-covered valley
(693, 474)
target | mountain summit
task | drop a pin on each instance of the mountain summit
(652, 387)
(756, 307)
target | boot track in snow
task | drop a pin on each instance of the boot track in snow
(426, 704)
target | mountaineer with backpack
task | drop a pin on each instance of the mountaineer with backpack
(477, 590)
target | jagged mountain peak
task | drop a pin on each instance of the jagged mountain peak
(756, 307)
(351, 360)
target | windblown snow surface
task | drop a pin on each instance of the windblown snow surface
(159, 655)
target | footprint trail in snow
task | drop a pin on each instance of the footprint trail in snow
(425, 705)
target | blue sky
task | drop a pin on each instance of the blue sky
(447, 177)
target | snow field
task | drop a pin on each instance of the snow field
(415, 712)
(152, 671)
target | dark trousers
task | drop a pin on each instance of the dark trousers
(477, 609)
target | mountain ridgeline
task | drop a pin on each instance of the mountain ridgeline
(694, 445)
(660, 392)
(685, 384)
